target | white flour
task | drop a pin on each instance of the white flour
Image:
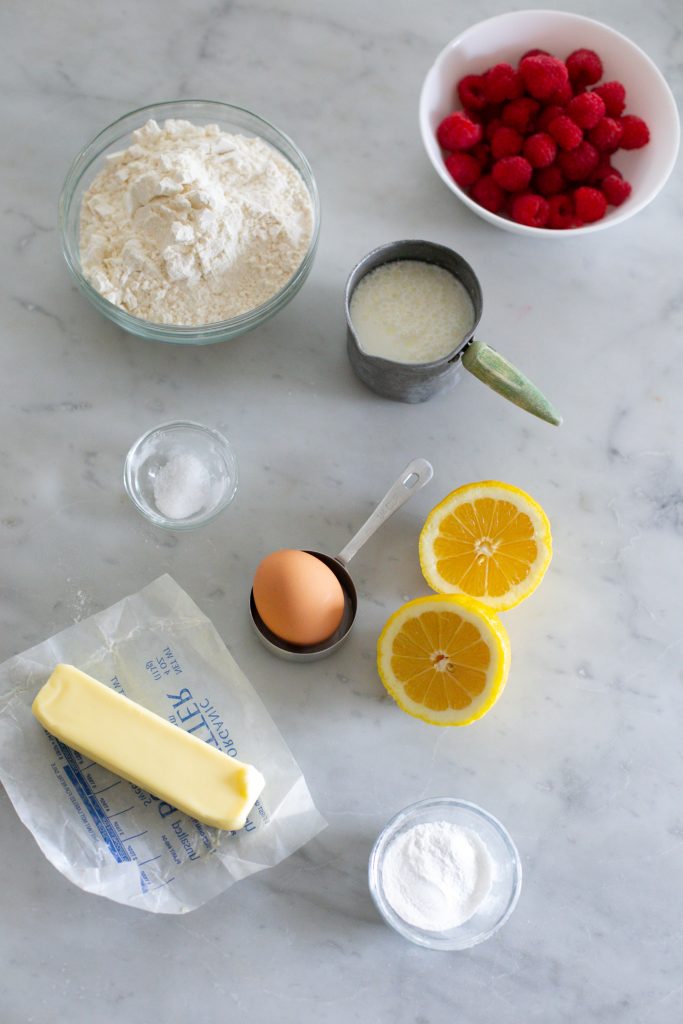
(435, 875)
(190, 225)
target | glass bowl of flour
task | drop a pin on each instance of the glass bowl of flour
(190, 221)
(445, 874)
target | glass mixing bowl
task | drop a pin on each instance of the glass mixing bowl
(151, 452)
(89, 162)
(506, 880)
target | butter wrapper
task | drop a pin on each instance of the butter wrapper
(110, 837)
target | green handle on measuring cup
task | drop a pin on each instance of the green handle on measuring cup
(497, 373)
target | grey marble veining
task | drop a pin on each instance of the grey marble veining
(581, 758)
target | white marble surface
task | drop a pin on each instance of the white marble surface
(581, 759)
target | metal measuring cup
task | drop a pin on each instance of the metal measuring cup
(416, 382)
(416, 474)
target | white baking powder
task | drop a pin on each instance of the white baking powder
(191, 225)
(182, 487)
(435, 875)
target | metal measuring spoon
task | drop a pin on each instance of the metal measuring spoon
(416, 474)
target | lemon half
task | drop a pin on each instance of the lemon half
(444, 659)
(488, 540)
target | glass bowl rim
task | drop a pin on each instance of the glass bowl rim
(92, 151)
(156, 518)
(430, 940)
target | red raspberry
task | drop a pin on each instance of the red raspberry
(586, 109)
(560, 211)
(530, 209)
(603, 168)
(458, 131)
(635, 133)
(606, 135)
(547, 115)
(488, 194)
(567, 134)
(580, 163)
(507, 204)
(492, 127)
(520, 113)
(471, 92)
(615, 189)
(542, 75)
(549, 180)
(502, 82)
(482, 154)
(562, 95)
(613, 96)
(590, 204)
(463, 169)
(534, 53)
(506, 142)
(490, 112)
(584, 67)
(513, 173)
(540, 150)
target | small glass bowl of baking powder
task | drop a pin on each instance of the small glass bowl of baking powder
(499, 864)
(117, 136)
(181, 475)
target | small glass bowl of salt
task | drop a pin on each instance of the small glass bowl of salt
(181, 475)
(445, 874)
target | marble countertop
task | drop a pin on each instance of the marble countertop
(581, 758)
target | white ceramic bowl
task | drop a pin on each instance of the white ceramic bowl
(506, 38)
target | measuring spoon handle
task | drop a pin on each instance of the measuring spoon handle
(416, 474)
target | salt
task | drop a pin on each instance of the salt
(182, 486)
(436, 875)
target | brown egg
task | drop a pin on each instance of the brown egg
(298, 597)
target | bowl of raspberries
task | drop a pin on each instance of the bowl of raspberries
(545, 122)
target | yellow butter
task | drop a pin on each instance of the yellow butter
(147, 750)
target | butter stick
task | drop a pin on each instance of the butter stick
(147, 750)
